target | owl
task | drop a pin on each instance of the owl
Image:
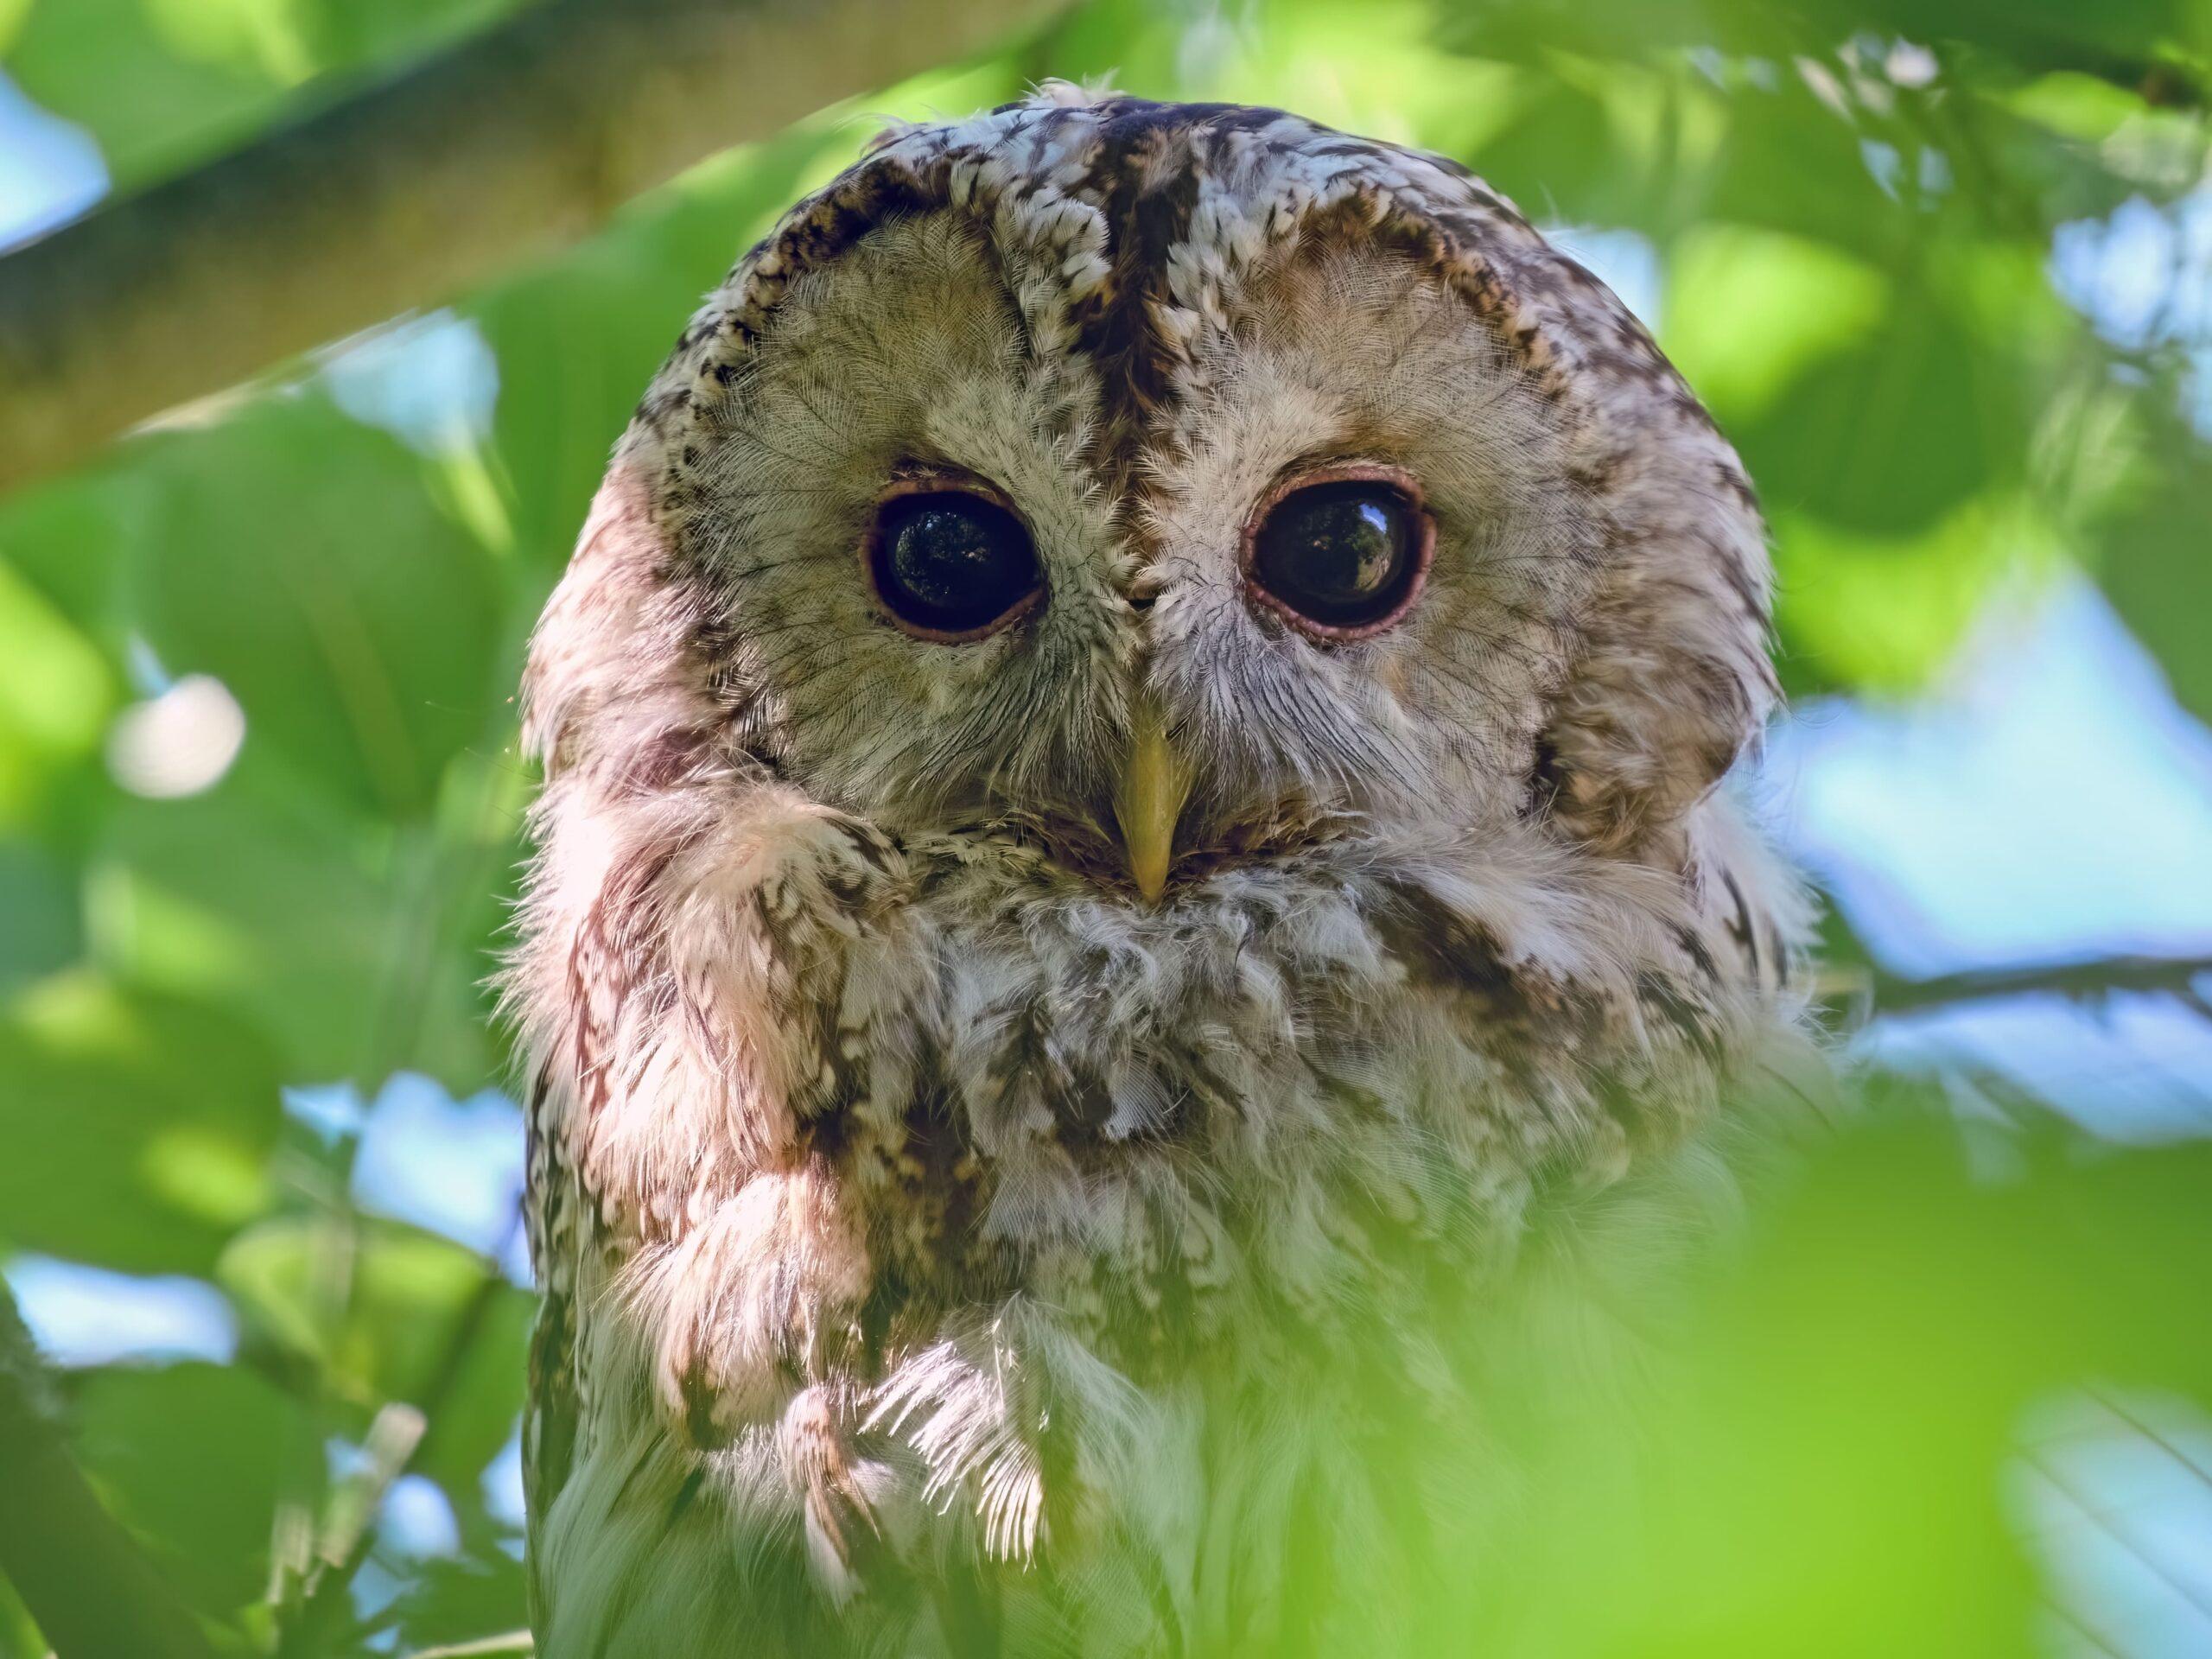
(1133, 761)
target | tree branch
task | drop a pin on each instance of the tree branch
(2080, 981)
(512, 145)
(92, 1590)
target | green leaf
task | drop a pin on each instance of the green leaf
(1883, 613)
(1749, 312)
(53, 700)
(413, 1294)
(105, 64)
(1792, 163)
(2035, 34)
(1889, 434)
(166, 85)
(359, 948)
(478, 1416)
(39, 900)
(2153, 565)
(302, 562)
(139, 1125)
(194, 1456)
(462, 1601)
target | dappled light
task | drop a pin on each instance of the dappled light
(1942, 274)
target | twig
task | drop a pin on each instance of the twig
(2135, 1425)
(395, 1434)
(512, 145)
(92, 1590)
(2083, 982)
(324, 1601)
(2110, 1523)
(514, 1642)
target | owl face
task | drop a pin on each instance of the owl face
(1175, 487)
(1327, 578)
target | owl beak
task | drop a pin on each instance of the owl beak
(1155, 783)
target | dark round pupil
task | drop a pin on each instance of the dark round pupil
(1340, 553)
(952, 562)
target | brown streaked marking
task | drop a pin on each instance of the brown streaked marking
(1148, 182)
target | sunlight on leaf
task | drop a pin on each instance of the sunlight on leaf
(1885, 612)
(1748, 311)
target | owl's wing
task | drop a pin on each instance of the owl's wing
(550, 1408)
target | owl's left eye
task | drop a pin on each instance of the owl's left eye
(952, 564)
(1340, 553)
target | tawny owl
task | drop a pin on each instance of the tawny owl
(1131, 754)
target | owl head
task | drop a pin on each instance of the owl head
(1171, 487)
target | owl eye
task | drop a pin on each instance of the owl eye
(1342, 558)
(952, 564)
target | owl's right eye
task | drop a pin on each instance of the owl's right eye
(952, 564)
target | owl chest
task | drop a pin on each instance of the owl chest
(1289, 1160)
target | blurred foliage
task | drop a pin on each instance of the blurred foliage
(1849, 210)
(1817, 1470)
(163, 84)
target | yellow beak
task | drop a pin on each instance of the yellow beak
(1153, 786)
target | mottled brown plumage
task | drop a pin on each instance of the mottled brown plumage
(956, 1237)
